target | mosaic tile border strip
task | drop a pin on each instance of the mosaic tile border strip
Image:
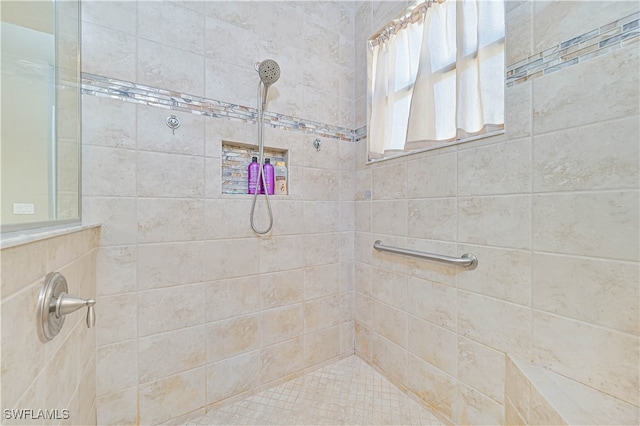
(360, 134)
(594, 43)
(97, 85)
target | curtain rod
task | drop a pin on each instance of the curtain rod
(410, 17)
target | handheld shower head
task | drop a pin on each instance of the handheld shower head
(269, 71)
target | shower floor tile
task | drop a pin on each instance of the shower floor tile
(346, 392)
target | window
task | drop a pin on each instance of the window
(436, 77)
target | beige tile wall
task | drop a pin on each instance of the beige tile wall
(60, 374)
(551, 210)
(554, 198)
(198, 309)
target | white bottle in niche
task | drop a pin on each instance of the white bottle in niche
(281, 178)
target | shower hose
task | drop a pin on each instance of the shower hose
(261, 102)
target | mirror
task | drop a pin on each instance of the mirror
(40, 123)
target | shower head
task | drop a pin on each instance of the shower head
(269, 71)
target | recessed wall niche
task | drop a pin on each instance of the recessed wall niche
(235, 162)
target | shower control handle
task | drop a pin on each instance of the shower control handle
(66, 303)
(54, 303)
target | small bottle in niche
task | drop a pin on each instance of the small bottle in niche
(281, 178)
(254, 170)
(268, 176)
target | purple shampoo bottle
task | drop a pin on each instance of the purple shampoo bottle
(254, 170)
(269, 177)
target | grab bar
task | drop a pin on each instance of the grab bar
(468, 260)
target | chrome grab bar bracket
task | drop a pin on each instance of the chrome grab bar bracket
(468, 260)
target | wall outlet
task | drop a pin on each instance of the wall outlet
(22, 208)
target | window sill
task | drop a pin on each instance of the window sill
(444, 145)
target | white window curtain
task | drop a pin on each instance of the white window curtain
(437, 77)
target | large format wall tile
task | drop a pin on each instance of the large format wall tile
(225, 218)
(389, 357)
(501, 273)
(433, 344)
(232, 376)
(169, 219)
(118, 317)
(115, 370)
(474, 407)
(428, 270)
(595, 291)
(281, 360)
(320, 216)
(232, 297)
(600, 156)
(281, 288)
(430, 176)
(20, 368)
(433, 218)
(181, 264)
(162, 355)
(321, 249)
(567, 99)
(232, 337)
(557, 340)
(281, 324)
(435, 388)
(576, 17)
(183, 27)
(497, 221)
(389, 217)
(321, 313)
(160, 400)
(590, 224)
(232, 83)
(518, 31)
(108, 52)
(169, 175)
(155, 135)
(432, 302)
(113, 171)
(108, 122)
(389, 322)
(117, 216)
(321, 281)
(389, 287)
(389, 181)
(481, 367)
(507, 328)
(118, 15)
(170, 68)
(170, 308)
(119, 408)
(495, 169)
(29, 263)
(321, 346)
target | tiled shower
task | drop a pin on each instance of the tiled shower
(195, 312)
